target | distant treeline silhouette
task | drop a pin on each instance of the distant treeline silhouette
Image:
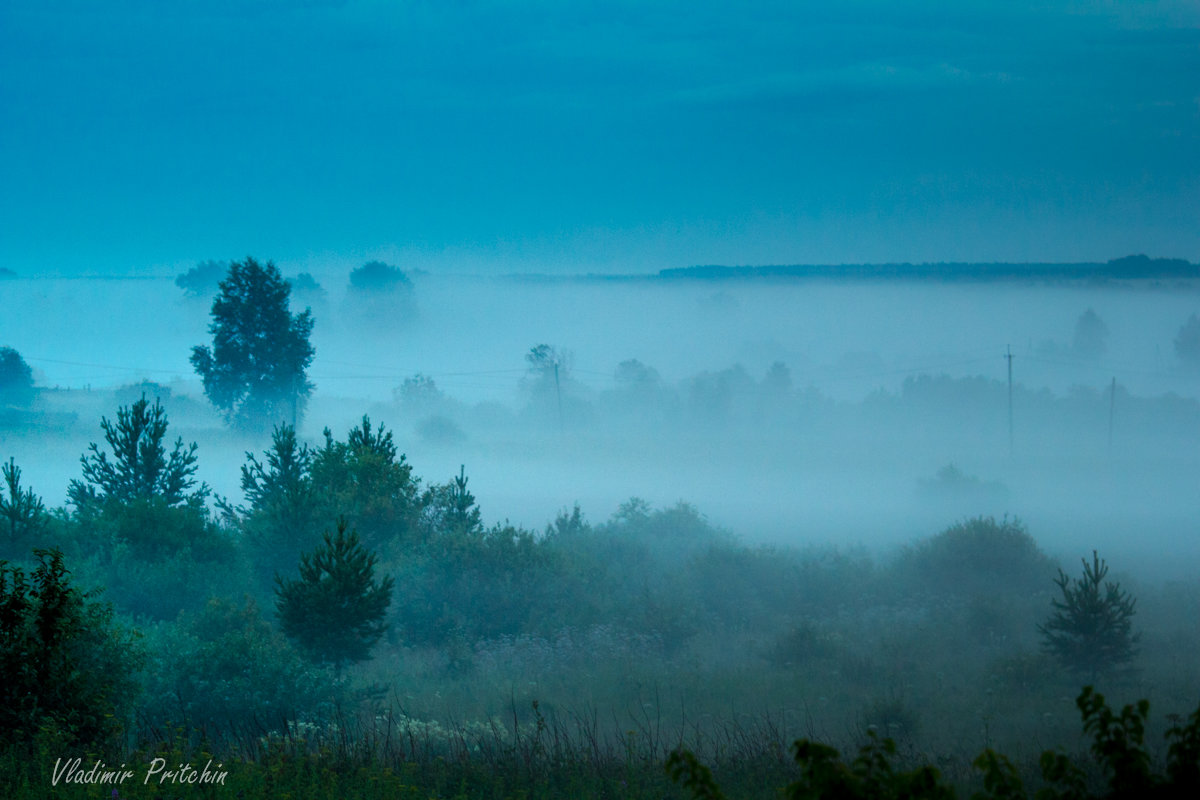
(1138, 267)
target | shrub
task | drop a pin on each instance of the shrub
(225, 668)
(65, 663)
(977, 556)
(1118, 744)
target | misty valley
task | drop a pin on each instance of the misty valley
(431, 535)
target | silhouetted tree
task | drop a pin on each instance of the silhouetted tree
(1091, 629)
(203, 279)
(369, 482)
(16, 379)
(1091, 335)
(376, 276)
(334, 611)
(1187, 342)
(256, 369)
(141, 468)
(281, 516)
(65, 663)
(450, 508)
(144, 495)
(22, 513)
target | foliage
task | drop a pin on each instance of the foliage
(22, 513)
(977, 556)
(16, 379)
(335, 610)
(141, 469)
(549, 367)
(202, 279)
(419, 395)
(1091, 335)
(376, 276)
(1187, 341)
(225, 667)
(1091, 629)
(1118, 745)
(305, 283)
(65, 663)
(256, 369)
(369, 482)
(450, 509)
(281, 518)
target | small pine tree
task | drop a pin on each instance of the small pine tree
(22, 513)
(1091, 629)
(140, 468)
(335, 611)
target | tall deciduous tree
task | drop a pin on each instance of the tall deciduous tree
(256, 370)
(335, 610)
(16, 379)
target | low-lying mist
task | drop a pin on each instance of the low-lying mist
(863, 413)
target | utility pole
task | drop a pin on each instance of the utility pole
(1009, 356)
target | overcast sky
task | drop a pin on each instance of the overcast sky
(144, 136)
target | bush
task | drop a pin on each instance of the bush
(1118, 744)
(65, 663)
(225, 668)
(978, 556)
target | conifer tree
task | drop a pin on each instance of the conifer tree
(1091, 629)
(334, 611)
(141, 468)
(21, 512)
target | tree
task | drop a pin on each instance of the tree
(256, 369)
(22, 513)
(376, 276)
(144, 496)
(450, 509)
(1091, 629)
(367, 480)
(335, 610)
(140, 468)
(1091, 335)
(280, 519)
(65, 663)
(16, 379)
(1187, 342)
(203, 279)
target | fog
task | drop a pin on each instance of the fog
(886, 384)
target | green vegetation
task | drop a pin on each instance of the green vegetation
(335, 611)
(1091, 630)
(1118, 745)
(16, 379)
(67, 666)
(255, 371)
(419, 651)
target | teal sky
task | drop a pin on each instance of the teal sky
(143, 136)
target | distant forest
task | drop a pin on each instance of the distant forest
(1137, 267)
